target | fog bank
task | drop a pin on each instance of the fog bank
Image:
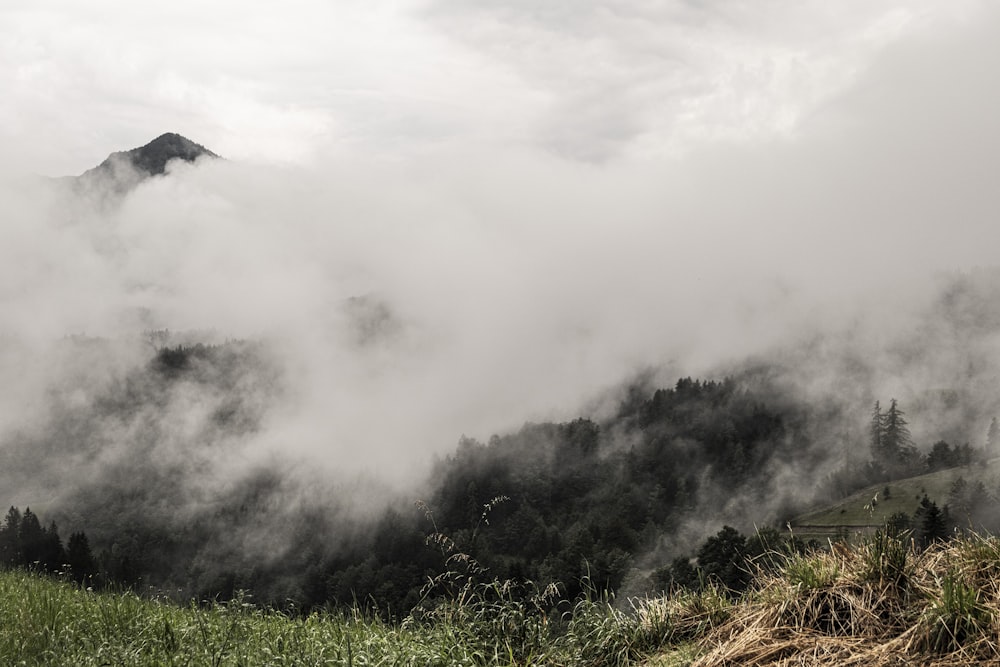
(467, 287)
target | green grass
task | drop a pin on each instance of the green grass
(849, 605)
(679, 656)
(44, 621)
(47, 622)
(905, 494)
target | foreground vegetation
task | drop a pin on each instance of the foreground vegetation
(881, 602)
(877, 603)
(44, 621)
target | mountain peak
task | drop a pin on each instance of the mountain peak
(139, 163)
(153, 157)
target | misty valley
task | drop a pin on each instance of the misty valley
(499, 334)
(141, 464)
(299, 470)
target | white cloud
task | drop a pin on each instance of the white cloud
(589, 80)
(425, 162)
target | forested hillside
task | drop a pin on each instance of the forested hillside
(566, 501)
(145, 447)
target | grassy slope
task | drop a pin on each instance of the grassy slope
(49, 622)
(905, 494)
(877, 603)
(46, 622)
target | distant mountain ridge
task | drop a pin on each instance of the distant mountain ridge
(125, 169)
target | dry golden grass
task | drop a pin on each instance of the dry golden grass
(881, 603)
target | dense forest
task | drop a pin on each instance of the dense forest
(585, 503)
(139, 451)
(554, 502)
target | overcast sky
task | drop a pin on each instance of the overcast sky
(584, 80)
(549, 195)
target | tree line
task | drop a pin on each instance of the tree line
(24, 542)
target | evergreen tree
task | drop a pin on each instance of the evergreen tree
(980, 511)
(959, 500)
(679, 574)
(80, 558)
(723, 559)
(32, 539)
(931, 523)
(993, 438)
(51, 552)
(891, 444)
(12, 522)
(896, 440)
(875, 433)
(10, 538)
(941, 456)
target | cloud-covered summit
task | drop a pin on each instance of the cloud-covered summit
(154, 156)
(126, 168)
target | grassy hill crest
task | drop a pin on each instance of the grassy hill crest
(855, 513)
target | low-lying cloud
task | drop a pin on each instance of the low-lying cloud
(468, 287)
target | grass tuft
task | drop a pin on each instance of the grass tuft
(955, 618)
